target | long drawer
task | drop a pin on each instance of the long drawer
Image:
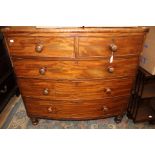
(41, 46)
(101, 46)
(75, 110)
(96, 69)
(66, 90)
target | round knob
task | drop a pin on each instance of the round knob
(42, 71)
(150, 116)
(113, 47)
(108, 91)
(46, 91)
(110, 69)
(105, 108)
(39, 48)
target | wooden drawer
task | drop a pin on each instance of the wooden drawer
(75, 110)
(5, 65)
(75, 69)
(99, 46)
(66, 90)
(41, 46)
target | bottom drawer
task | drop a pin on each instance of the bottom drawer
(75, 110)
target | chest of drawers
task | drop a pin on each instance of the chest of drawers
(75, 73)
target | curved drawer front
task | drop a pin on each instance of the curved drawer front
(41, 46)
(100, 46)
(75, 69)
(65, 90)
(75, 73)
(75, 110)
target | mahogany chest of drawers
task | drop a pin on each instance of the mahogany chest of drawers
(75, 73)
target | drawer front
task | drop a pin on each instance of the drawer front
(6, 87)
(41, 47)
(5, 65)
(75, 109)
(85, 90)
(97, 46)
(75, 69)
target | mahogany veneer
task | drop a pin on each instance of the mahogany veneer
(75, 73)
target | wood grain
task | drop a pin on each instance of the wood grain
(74, 110)
(52, 46)
(69, 78)
(97, 46)
(75, 90)
(75, 69)
(21, 29)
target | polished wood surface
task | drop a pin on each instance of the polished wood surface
(75, 73)
(52, 46)
(97, 46)
(73, 90)
(14, 30)
(75, 110)
(96, 69)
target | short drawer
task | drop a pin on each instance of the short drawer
(75, 110)
(41, 46)
(103, 46)
(66, 90)
(100, 69)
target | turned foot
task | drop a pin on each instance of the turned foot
(118, 119)
(34, 121)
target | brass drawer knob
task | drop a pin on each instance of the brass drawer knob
(39, 48)
(105, 108)
(110, 69)
(107, 90)
(46, 91)
(42, 71)
(113, 47)
(4, 90)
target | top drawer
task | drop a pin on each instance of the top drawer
(102, 46)
(41, 46)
